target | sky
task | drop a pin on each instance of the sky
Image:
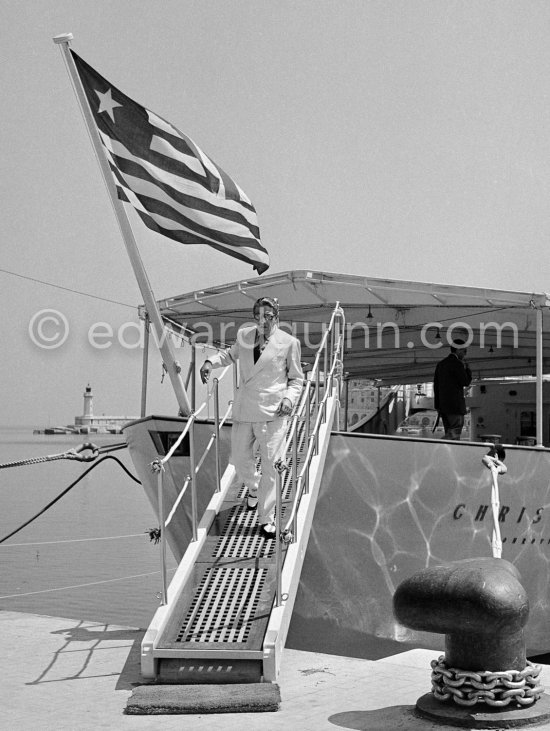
(404, 139)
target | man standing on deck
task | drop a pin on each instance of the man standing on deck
(452, 374)
(271, 380)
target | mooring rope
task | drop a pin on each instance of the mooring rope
(80, 454)
(37, 460)
(81, 586)
(77, 540)
(66, 490)
(497, 467)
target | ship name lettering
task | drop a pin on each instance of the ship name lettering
(504, 510)
(459, 511)
(482, 511)
(539, 516)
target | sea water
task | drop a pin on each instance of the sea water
(89, 556)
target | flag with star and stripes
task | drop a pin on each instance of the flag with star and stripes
(175, 188)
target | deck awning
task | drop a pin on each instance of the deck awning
(396, 331)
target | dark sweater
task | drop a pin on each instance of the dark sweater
(451, 376)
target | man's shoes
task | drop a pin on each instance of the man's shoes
(269, 529)
(251, 502)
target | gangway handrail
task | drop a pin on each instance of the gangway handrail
(306, 463)
(177, 501)
(162, 461)
(336, 349)
(191, 419)
(336, 365)
(213, 437)
(197, 468)
(158, 467)
(313, 373)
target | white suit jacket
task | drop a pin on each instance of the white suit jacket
(277, 374)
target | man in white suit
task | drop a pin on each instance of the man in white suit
(271, 380)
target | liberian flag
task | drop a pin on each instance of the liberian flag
(176, 189)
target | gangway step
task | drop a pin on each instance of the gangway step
(204, 672)
(217, 633)
(227, 606)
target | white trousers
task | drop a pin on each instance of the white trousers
(270, 436)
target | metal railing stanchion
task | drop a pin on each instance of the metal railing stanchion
(325, 367)
(193, 477)
(309, 386)
(317, 393)
(307, 432)
(160, 493)
(278, 547)
(217, 432)
(317, 405)
(294, 475)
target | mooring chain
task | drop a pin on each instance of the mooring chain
(497, 689)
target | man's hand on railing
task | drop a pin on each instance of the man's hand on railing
(281, 466)
(284, 408)
(205, 371)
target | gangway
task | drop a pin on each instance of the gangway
(226, 613)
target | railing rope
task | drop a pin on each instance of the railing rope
(177, 501)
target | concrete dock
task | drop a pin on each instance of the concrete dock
(70, 675)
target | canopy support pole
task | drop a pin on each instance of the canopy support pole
(165, 345)
(346, 400)
(193, 377)
(539, 396)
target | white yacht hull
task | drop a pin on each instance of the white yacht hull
(388, 507)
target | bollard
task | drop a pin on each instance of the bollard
(478, 604)
(481, 607)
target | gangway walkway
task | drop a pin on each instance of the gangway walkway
(227, 606)
(230, 603)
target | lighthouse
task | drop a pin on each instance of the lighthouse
(88, 413)
(90, 424)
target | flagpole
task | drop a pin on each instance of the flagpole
(165, 345)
